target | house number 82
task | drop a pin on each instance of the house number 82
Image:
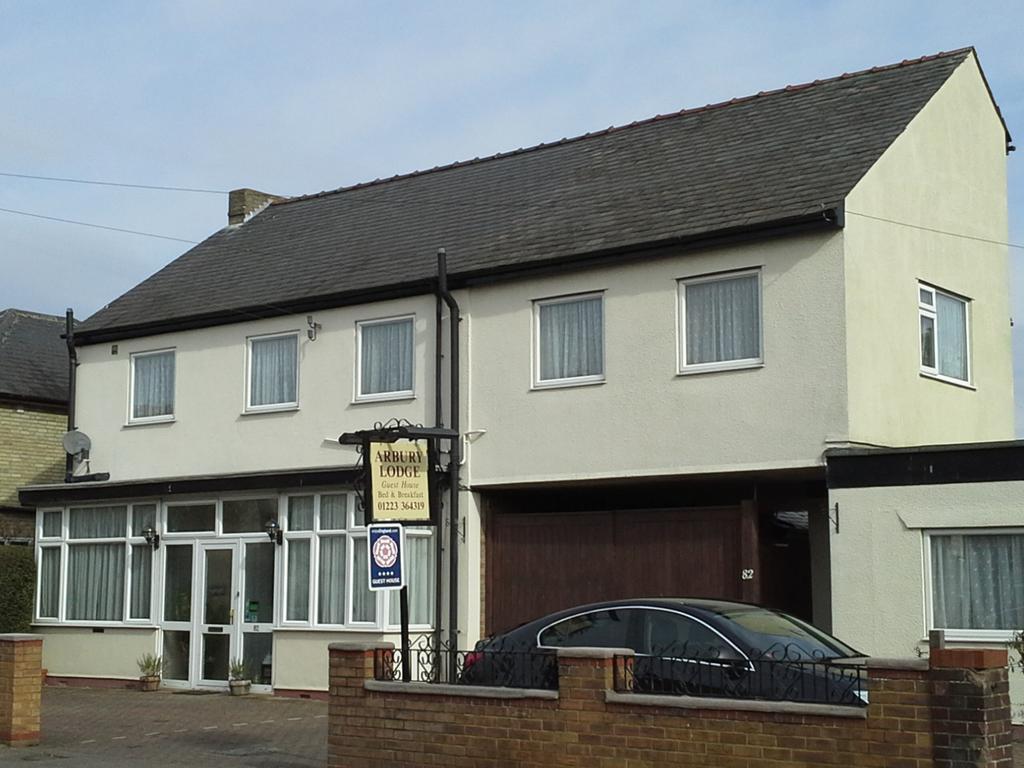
(747, 574)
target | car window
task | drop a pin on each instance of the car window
(775, 635)
(667, 633)
(597, 629)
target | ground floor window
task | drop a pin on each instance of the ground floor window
(98, 563)
(977, 580)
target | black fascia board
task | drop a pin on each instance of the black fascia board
(925, 465)
(266, 481)
(49, 405)
(829, 217)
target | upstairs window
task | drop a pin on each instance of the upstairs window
(570, 340)
(385, 354)
(152, 386)
(945, 349)
(720, 322)
(273, 381)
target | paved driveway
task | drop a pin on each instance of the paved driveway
(97, 728)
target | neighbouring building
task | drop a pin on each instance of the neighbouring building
(33, 413)
(664, 330)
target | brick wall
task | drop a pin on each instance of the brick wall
(918, 717)
(30, 449)
(21, 661)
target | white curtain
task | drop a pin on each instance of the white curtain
(49, 582)
(386, 357)
(97, 522)
(96, 582)
(298, 579)
(364, 602)
(273, 371)
(300, 513)
(142, 571)
(154, 385)
(978, 581)
(952, 336)
(571, 339)
(331, 608)
(722, 320)
(332, 512)
(419, 562)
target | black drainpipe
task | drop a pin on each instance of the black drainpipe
(454, 453)
(69, 338)
(439, 422)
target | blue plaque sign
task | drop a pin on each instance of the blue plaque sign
(387, 551)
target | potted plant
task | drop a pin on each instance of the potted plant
(238, 678)
(149, 671)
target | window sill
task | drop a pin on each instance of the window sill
(384, 397)
(364, 630)
(582, 381)
(978, 636)
(53, 623)
(270, 409)
(948, 380)
(732, 365)
(150, 422)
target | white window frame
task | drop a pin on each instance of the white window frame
(685, 369)
(954, 634)
(163, 418)
(270, 407)
(64, 543)
(572, 381)
(931, 311)
(400, 394)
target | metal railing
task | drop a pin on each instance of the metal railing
(490, 667)
(781, 673)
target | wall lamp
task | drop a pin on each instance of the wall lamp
(273, 530)
(152, 537)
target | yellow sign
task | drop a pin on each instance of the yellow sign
(399, 481)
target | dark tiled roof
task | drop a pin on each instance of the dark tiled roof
(33, 356)
(772, 157)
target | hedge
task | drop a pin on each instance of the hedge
(17, 588)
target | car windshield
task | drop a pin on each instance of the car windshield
(776, 635)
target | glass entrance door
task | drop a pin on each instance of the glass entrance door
(257, 620)
(217, 620)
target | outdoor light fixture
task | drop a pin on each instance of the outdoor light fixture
(313, 328)
(152, 537)
(274, 531)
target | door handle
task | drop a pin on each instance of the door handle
(231, 616)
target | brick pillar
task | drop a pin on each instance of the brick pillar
(351, 664)
(21, 684)
(971, 708)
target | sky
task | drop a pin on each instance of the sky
(297, 97)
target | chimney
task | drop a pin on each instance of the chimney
(243, 203)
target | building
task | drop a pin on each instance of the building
(33, 413)
(663, 330)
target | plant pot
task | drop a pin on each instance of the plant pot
(149, 682)
(239, 687)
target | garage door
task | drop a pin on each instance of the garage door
(539, 563)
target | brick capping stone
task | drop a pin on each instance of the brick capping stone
(968, 658)
(736, 705)
(21, 686)
(920, 715)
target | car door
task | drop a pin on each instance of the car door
(682, 654)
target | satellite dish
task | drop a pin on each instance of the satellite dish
(76, 442)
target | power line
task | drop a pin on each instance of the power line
(936, 231)
(96, 226)
(115, 184)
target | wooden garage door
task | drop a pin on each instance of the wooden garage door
(539, 563)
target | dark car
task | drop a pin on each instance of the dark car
(683, 646)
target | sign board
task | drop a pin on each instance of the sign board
(399, 481)
(387, 553)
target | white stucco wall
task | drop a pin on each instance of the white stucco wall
(211, 433)
(80, 652)
(946, 172)
(879, 600)
(645, 419)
